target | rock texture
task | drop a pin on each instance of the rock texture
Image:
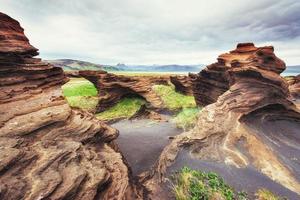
(210, 83)
(145, 113)
(294, 86)
(183, 84)
(250, 122)
(47, 149)
(112, 88)
(72, 74)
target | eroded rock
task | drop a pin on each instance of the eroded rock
(294, 86)
(249, 122)
(47, 149)
(183, 84)
(112, 88)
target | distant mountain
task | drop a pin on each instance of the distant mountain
(160, 68)
(69, 64)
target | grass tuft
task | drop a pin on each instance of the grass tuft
(172, 99)
(122, 110)
(186, 118)
(193, 184)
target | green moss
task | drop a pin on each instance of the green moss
(172, 99)
(186, 118)
(79, 87)
(124, 109)
(193, 185)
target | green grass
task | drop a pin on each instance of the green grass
(79, 87)
(172, 99)
(186, 118)
(191, 184)
(80, 93)
(197, 185)
(83, 102)
(122, 110)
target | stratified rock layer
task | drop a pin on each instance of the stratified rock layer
(47, 149)
(294, 86)
(183, 84)
(112, 88)
(252, 123)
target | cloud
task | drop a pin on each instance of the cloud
(156, 31)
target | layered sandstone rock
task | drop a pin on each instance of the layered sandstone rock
(183, 84)
(294, 86)
(251, 124)
(72, 74)
(112, 87)
(47, 149)
(213, 81)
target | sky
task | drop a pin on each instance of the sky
(156, 31)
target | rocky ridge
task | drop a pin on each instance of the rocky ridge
(47, 149)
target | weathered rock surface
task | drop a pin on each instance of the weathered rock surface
(210, 83)
(183, 84)
(72, 74)
(145, 113)
(112, 88)
(252, 124)
(294, 86)
(47, 149)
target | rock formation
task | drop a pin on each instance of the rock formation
(47, 149)
(182, 83)
(145, 113)
(250, 123)
(294, 86)
(112, 88)
(72, 74)
(210, 83)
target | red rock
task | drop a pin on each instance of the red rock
(214, 80)
(12, 38)
(248, 101)
(294, 86)
(183, 84)
(112, 88)
(47, 149)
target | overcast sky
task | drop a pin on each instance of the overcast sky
(156, 31)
